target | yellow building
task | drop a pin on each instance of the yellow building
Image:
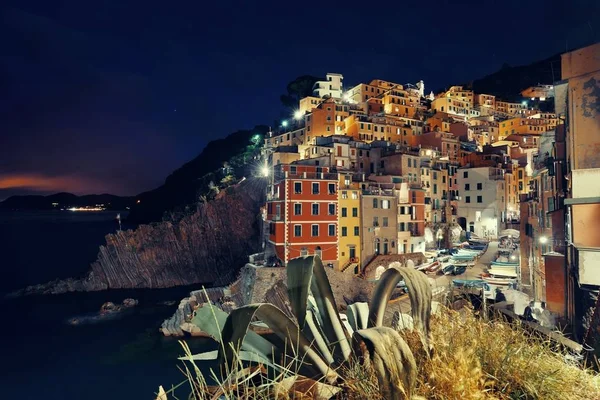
(349, 222)
(459, 93)
(524, 126)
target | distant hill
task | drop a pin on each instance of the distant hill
(66, 200)
(508, 82)
(183, 188)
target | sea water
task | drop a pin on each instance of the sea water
(42, 356)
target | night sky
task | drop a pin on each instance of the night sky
(111, 96)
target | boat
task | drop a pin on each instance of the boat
(502, 273)
(464, 263)
(504, 263)
(459, 269)
(498, 281)
(448, 269)
(462, 258)
(478, 283)
(443, 258)
(426, 266)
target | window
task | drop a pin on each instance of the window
(443, 178)
(354, 195)
(314, 230)
(401, 227)
(344, 212)
(467, 199)
(315, 209)
(331, 230)
(465, 174)
(277, 211)
(344, 194)
(479, 186)
(315, 188)
(297, 209)
(332, 209)
(385, 221)
(480, 199)
(355, 211)
(435, 188)
(298, 187)
(375, 203)
(332, 188)
(385, 204)
(434, 175)
(303, 252)
(297, 230)
(344, 231)
(356, 231)
(293, 170)
(467, 186)
(375, 221)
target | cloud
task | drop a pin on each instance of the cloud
(51, 184)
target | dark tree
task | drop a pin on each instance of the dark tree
(297, 89)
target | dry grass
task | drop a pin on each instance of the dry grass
(477, 359)
(472, 359)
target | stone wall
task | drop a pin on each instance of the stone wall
(385, 260)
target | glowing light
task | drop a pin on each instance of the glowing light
(284, 123)
(524, 102)
(513, 257)
(346, 96)
(139, 201)
(85, 209)
(264, 171)
(543, 240)
(298, 114)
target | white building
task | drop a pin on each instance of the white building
(331, 87)
(481, 200)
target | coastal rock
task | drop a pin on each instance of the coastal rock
(207, 246)
(257, 285)
(130, 302)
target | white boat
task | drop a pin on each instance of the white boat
(498, 281)
(502, 273)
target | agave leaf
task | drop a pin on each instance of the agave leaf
(402, 321)
(299, 275)
(358, 315)
(210, 320)
(419, 292)
(237, 324)
(248, 356)
(391, 359)
(315, 334)
(331, 323)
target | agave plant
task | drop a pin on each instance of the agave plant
(318, 340)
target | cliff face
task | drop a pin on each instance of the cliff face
(208, 246)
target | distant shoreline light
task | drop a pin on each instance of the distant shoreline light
(86, 209)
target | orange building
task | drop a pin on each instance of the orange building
(302, 212)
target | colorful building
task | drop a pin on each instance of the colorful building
(302, 212)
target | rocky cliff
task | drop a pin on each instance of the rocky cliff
(208, 246)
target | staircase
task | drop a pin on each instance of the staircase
(352, 263)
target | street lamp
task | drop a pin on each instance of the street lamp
(543, 240)
(440, 236)
(298, 115)
(284, 123)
